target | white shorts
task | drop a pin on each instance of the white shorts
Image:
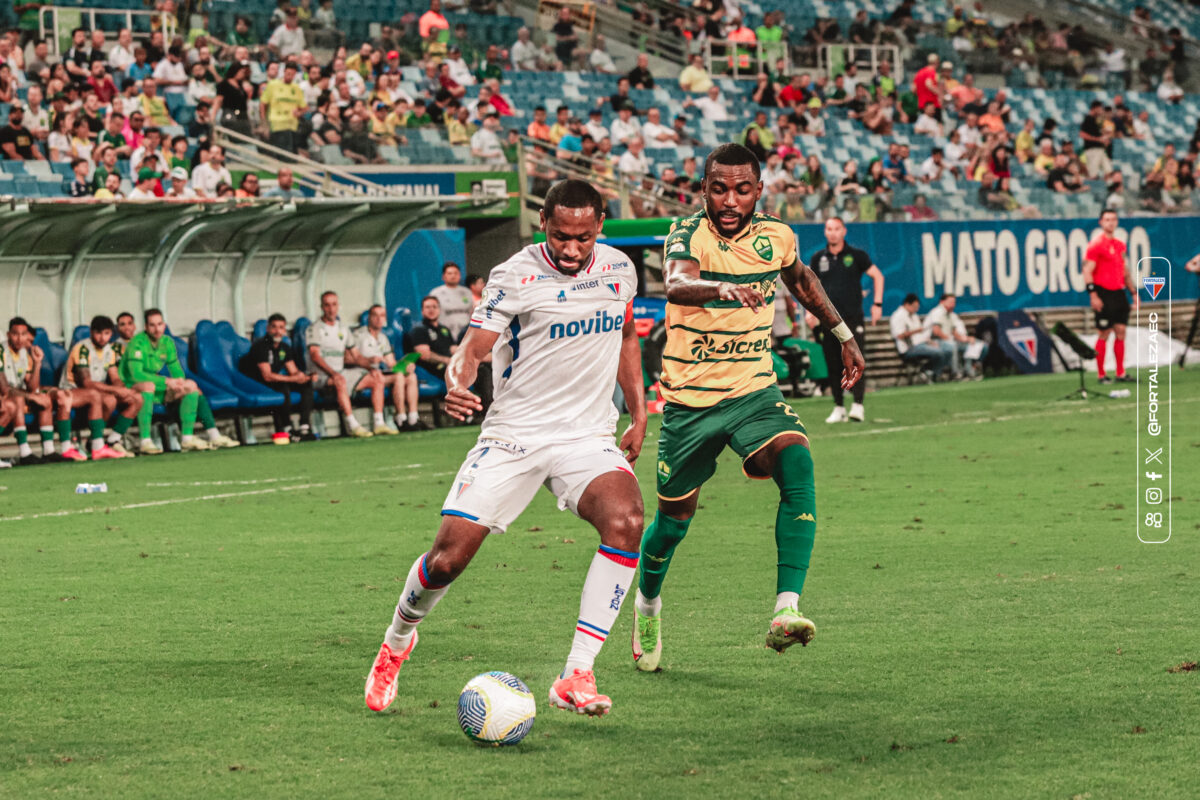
(499, 479)
(353, 376)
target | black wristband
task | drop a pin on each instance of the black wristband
(1091, 287)
(877, 304)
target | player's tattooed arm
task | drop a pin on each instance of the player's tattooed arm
(685, 287)
(462, 371)
(804, 285)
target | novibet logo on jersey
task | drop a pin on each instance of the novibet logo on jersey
(602, 322)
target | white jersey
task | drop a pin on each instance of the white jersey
(555, 364)
(16, 366)
(456, 304)
(369, 347)
(332, 340)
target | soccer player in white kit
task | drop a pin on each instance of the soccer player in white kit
(557, 319)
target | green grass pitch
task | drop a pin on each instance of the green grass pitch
(988, 624)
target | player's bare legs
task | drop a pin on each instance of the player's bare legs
(93, 402)
(41, 406)
(787, 460)
(377, 383)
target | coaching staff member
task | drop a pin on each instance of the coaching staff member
(840, 268)
(1107, 277)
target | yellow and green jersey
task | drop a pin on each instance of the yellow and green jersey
(723, 349)
(96, 360)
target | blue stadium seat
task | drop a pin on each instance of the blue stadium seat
(299, 336)
(219, 398)
(80, 333)
(55, 357)
(218, 347)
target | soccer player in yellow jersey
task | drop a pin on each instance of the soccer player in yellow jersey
(721, 266)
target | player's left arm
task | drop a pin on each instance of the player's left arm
(463, 369)
(1131, 283)
(33, 378)
(876, 276)
(629, 378)
(804, 285)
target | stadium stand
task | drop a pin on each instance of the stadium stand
(398, 83)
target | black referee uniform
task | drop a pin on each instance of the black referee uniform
(841, 276)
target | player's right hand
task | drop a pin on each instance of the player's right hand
(748, 296)
(461, 403)
(1097, 304)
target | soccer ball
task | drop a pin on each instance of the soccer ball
(496, 708)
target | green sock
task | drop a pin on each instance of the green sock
(796, 522)
(205, 415)
(22, 435)
(122, 425)
(658, 546)
(63, 428)
(96, 426)
(146, 414)
(187, 413)
(47, 434)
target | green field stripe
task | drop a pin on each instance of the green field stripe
(729, 277)
(722, 333)
(709, 360)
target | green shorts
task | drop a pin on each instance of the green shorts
(693, 438)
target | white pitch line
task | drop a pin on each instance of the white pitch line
(70, 512)
(230, 483)
(983, 420)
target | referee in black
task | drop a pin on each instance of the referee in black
(840, 268)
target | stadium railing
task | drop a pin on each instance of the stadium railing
(55, 23)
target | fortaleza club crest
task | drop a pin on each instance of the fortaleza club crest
(762, 246)
(1154, 286)
(613, 284)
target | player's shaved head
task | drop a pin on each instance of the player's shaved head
(731, 188)
(572, 218)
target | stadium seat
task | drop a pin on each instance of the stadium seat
(215, 347)
(80, 333)
(55, 357)
(299, 331)
(219, 398)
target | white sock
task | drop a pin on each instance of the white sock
(413, 418)
(24, 450)
(113, 437)
(379, 423)
(352, 423)
(608, 581)
(648, 608)
(48, 442)
(786, 600)
(146, 440)
(212, 433)
(419, 598)
(97, 444)
(187, 439)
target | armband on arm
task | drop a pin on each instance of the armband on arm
(842, 332)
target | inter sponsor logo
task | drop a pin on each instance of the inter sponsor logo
(602, 322)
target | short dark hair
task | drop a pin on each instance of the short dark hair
(15, 321)
(75, 162)
(1112, 211)
(573, 193)
(429, 297)
(911, 298)
(326, 293)
(372, 308)
(123, 315)
(277, 317)
(101, 323)
(450, 264)
(732, 155)
(946, 296)
(151, 312)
